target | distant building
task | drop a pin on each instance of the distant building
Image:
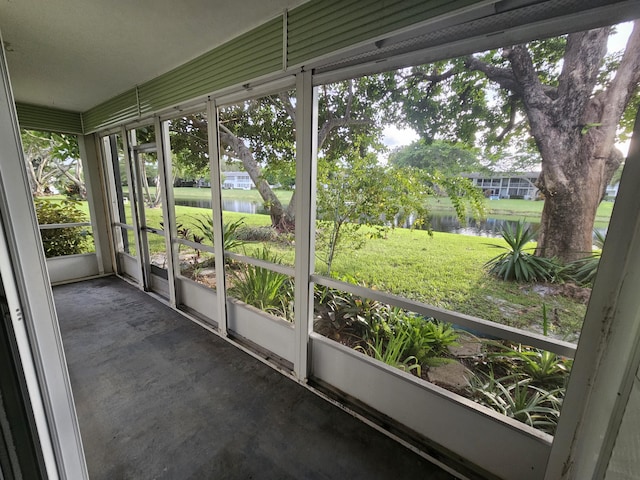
(612, 191)
(237, 180)
(507, 185)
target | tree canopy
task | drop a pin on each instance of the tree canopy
(438, 156)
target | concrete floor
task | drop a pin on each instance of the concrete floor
(159, 397)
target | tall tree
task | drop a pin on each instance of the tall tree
(449, 159)
(565, 96)
(52, 160)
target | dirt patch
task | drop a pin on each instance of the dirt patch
(567, 290)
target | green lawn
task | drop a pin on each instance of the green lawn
(444, 270)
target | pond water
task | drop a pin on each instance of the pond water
(440, 222)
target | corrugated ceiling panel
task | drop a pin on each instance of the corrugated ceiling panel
(117, 110)
(320, 27)
(35, 117)
(250, 55)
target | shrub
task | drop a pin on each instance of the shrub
(583, 271)
(519, 399)
(429, 338)
(393, 352)
(62, 241)
(263, 288)
(249, 233)
(515, 263)
(229, 231)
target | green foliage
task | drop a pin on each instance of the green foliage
(263, 288)
(519, 399)
(540, 367)
(357, 191)
(62, 241)
(230, 238)
(392, 352)
(257, 234)
(517, 264)
(438, 156)
(583, 271)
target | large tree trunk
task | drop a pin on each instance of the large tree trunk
(566, 225)
(575, 134)
(279, 217)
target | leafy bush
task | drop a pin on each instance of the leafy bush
(62, 241)
(263, 288)
(519, 399)
(393, 352)
(583, 271)
(250, 233)
(540, 367)
(515, 263)
(230, 238)
(429, 338)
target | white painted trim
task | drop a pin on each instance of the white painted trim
(498, 444)
(216, 204)
(73, 267)
(305, 215)
(25, 270)
(608, 354)
(274, 334)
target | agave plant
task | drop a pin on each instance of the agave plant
(517, 264)
(583, 271)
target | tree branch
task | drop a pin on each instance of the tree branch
(616, 97)
(332, 123)
(524, 73)
(288, 106)
(502, 76)
(583, 57)
(512, 119)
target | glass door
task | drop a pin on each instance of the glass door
(150, 201)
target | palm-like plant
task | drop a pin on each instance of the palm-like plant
(583, 271)
(263, 288)
(517, 264)
(520, 400)
(229, 231)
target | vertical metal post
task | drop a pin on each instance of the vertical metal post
(216, 203)
(118, 212)
(163, 151)
(96, 195)
(608, 353)
(306, 151)
(134, 200)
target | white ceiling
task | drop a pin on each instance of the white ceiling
(74, 54)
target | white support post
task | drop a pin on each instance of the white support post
(134, 201)
(608, 353)
(24, 275)
(168, 212)
(216, 204)
(113, 215)
(97, 198)
(306, 151)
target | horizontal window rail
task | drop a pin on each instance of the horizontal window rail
(157, 231)
(124, 225)
(275, 267)
(195, 245)
(51, 226)
(475, 324)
